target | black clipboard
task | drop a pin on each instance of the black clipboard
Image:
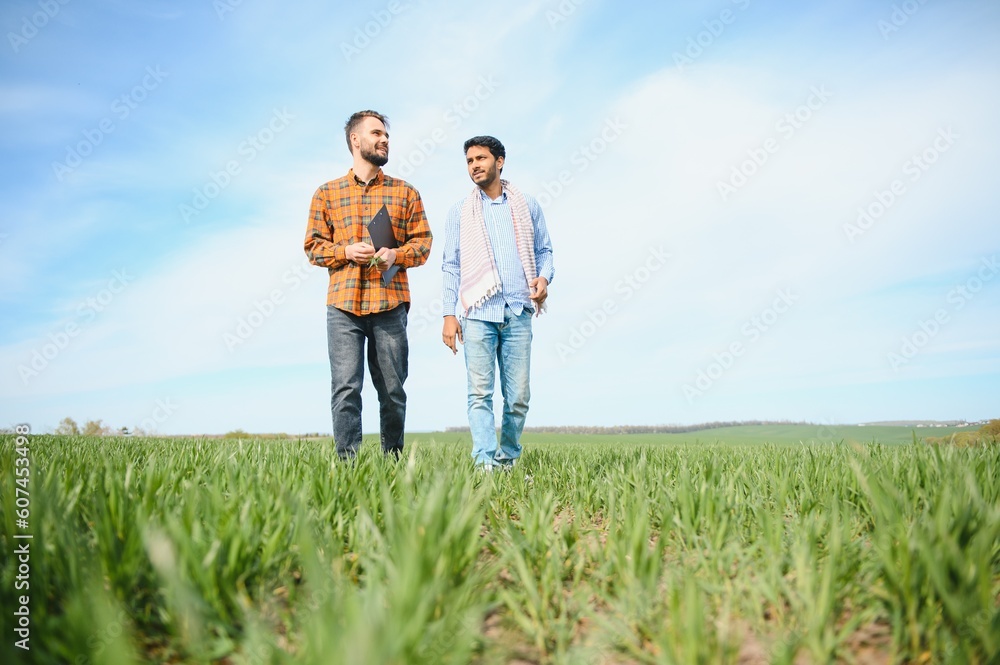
(380, 230)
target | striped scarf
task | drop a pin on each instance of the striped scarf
(479, 277)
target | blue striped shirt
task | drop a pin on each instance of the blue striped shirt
(514, 292)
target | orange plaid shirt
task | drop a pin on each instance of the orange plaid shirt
(338, 216)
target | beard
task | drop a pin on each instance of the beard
(369, 154)
(488, 177)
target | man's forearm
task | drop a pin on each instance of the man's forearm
(324, 253)
(320, 247)
(413, 253)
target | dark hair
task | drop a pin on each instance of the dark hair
(355, 120)
(494, 146)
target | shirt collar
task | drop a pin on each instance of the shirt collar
(377, 180)
(486, 197)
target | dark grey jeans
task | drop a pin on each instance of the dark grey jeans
(388, 349)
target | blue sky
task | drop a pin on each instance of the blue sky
(760, 210)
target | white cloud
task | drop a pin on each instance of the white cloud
(657, 184)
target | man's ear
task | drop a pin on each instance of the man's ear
(499, 163)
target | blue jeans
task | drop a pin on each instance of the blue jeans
(487, 346)
(388, 349)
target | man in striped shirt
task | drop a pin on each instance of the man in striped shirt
(497, 268)
(361, 306)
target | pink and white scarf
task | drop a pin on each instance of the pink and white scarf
(479, 277)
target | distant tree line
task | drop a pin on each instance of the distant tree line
(68, 427)
(645, 429)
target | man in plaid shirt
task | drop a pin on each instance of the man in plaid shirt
(360, 306)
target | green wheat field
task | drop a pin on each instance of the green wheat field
(769, 544)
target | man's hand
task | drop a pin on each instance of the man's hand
(452, 331)
(386, 257)
(359, 252)
(539, 292)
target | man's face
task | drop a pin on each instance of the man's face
(374, 141)
(484, 169)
